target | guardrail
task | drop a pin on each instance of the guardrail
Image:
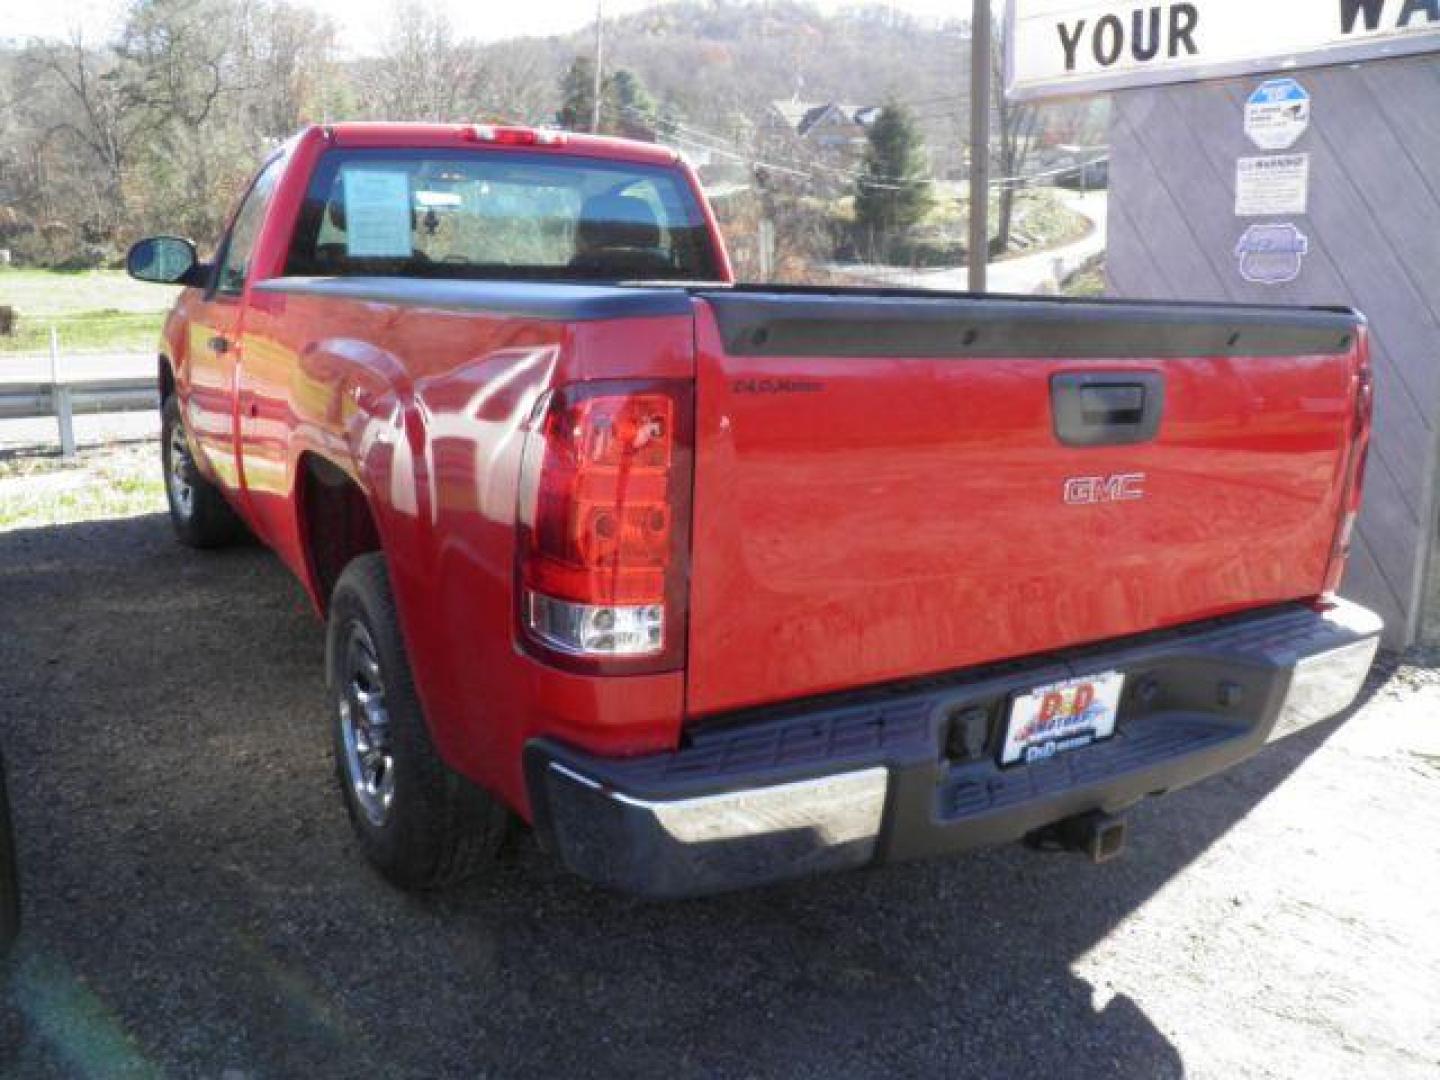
(62, 400)
(34, 387)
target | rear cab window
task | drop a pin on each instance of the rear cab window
(499, 215)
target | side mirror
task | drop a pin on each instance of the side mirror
(164, 260)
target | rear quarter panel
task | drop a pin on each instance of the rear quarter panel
(426, 410)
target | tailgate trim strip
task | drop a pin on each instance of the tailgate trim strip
(958, 327)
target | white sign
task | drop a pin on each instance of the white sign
(1272, 185)
(377, 213)
(1057, 47)
(1277, 114)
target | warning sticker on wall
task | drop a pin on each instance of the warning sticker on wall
(1277, 114)
(1279, 184)
(377, 213)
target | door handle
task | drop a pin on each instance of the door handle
(220, 344)
(1113, 408)
(1112, 404)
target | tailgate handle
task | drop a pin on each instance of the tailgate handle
(1107, 408)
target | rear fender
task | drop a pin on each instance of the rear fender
(436, 459)
(352, 401)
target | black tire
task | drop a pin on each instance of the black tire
(436, 828)
(199, 513)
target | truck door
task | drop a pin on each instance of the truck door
(214, 346)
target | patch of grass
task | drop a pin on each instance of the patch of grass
(121, 331)
(102, 482)
(44, 293)
(92, 310)
(1087, 279)
(1040, 217)
(1047, 221)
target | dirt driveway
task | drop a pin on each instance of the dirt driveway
(195, 906)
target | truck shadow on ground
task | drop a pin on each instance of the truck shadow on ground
(194, 903)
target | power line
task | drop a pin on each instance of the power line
(686, 133)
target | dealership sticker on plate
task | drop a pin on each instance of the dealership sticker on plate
(1062, 716)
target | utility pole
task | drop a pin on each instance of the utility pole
(979, 144)
(599, 62)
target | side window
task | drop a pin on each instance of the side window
(240, 245)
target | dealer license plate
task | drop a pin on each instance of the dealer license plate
(1062, 716)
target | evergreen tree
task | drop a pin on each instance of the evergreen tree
(577, 95)
(892, 192)
(626, 107)
(629, 108)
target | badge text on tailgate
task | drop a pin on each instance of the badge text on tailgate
(1121, 487)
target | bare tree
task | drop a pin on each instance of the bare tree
(81, 94)
(115, 104)
(1017, 125)
(423, 74)
(159, 126)
(171, 57)
(515, 81)
(289, 66)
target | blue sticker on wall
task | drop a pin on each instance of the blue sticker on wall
(1272, 254)
(1277, 114)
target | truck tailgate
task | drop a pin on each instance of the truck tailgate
(891, 485)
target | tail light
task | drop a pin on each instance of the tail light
(604, 515)
(1353, 490)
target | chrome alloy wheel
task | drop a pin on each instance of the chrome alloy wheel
(179, 473)
(365, 726)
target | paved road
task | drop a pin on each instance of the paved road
(76, 367)
(1032, 273)
(195, 903)
(90, 429)
(1025, 274)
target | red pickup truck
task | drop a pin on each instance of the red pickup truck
(719, 584)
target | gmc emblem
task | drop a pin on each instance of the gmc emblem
(1088, 490)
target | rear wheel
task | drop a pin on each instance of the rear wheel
(199, 513)
(421, 825)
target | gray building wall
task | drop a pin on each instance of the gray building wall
(1374, 231)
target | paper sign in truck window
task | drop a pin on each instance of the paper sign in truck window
(377, 213)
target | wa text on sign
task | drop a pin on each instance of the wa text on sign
(1058, 47)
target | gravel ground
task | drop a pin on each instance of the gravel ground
(195, 905)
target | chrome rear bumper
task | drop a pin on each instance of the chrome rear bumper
(1326, 682)
(708, 842)
(839, 784)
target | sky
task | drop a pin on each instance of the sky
(362, 21)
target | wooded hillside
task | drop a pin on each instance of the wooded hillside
(157, 129)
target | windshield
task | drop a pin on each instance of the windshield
(484, 214)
